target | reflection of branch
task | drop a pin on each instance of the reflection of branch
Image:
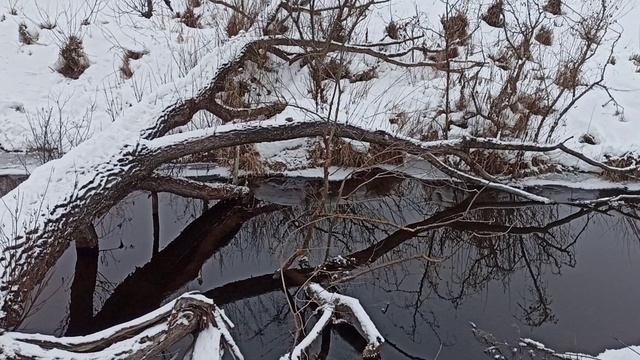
(191, 188)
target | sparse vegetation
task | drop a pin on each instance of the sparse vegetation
(553, 7)
(495, 14)
(26, 36)
(190, 18)
(125, 68)
(544, 36)
(72, 60)
(456, 28)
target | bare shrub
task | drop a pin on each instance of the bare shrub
(544, 36)
(194, 3)
(26, 36)
(495, 14)
(456, 28)
(142, 8)
(53, 132)
(72, 60)
(553, 7)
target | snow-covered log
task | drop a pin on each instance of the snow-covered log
(137, 339)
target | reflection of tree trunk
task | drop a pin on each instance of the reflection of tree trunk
(84, 280)
(178, 263)
(156, 223)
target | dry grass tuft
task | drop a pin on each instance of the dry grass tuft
(553, 7)
(381, 154)
(588, 139)
(534, 104)
(342, 154)
(567, 77)
(393, 30)
(250, 160)
(635, 59)
(25, 36)
(190, 18)
(456, 28)
(72, 60)
(331, 70)
(237, 23)
(495, 14)
(623, 161)
(235, 92)
(544, 36)
(365, 75)
(125, 68)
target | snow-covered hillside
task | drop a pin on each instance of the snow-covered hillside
(37, 101)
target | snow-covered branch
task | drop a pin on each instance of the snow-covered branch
(332, 305)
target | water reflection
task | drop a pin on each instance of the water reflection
(512, 267)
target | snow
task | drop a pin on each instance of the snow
(207, 346)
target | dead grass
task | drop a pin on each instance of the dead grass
(456, 28)
(495, 14)
(190, 18)
(441, 57)
(588, 139)
(544, 36)
(365, 75)
(25, 36)
(250, 160)
(235, 92)
(393, 30)
(125, 68)
(330, 69)
(236, 24)
(567, 77)
(625, 160)
(72, 60)
(553, 7)
(344, 155)
(534, 104)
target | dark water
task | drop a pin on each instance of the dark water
(560, 275)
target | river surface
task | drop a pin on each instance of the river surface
(560, 275)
